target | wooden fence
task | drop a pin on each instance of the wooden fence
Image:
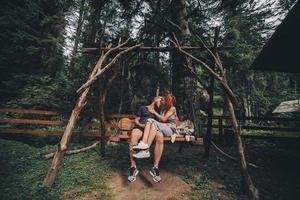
(258, 123)
(50, 123)
(220, 122)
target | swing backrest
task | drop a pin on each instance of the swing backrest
(125, 125)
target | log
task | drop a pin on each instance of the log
(51, 155)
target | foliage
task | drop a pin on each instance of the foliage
(31, 43)
(35, 73)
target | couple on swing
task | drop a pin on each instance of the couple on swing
(150, 125)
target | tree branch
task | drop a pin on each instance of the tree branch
(231, 157)
(51, 155)
(102, 70)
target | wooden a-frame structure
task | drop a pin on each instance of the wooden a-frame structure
(217, 72)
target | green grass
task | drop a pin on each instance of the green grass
(23, 170)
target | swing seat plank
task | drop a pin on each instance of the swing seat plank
(121, 137)
(125, 126)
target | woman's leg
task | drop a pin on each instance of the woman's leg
(146, 132)
(152, 134)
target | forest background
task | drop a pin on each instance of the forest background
(42, 65)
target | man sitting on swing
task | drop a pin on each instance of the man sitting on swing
(144, 114)
(155, 126)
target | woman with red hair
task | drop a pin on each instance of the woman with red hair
(165, 124)
(169, 114)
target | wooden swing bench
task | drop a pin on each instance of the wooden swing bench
(125, 125)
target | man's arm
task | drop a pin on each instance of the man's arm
(137, 122)
(166, 116)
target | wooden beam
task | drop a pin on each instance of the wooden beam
(130, 116)
(33, 121)
(45, 132)
(28, 111)
(159, 49)
(98, 125)
(261, 118)
(265, 128)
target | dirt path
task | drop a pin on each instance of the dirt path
(172, 186)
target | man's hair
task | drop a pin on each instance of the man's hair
(157, 97)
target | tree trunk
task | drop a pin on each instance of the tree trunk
(179, 73)
(122, 87)
(77, 38)
(211, 99)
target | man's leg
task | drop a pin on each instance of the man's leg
(159, 147)
(136, 134)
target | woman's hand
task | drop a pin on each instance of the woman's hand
(151, 110)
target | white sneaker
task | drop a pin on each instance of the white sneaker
(187, 138)
(142, 154)
(141, 145)
(173, 138)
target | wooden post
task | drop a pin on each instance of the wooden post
(101, 104)
(209, 116)
(211, 101)
(102, 100)
(251, 189)
(220, 125)
(62, 146)
(102, 123)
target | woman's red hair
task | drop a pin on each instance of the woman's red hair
(170, 101)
